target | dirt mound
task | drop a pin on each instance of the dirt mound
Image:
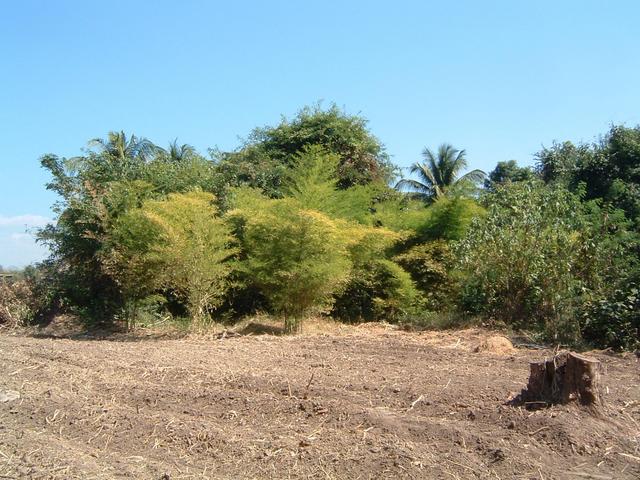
(375, 326)
(496, 344)
(61, 326)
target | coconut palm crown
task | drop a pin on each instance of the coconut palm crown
(120, 147)
(439, 173)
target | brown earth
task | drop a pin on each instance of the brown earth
(365, 402)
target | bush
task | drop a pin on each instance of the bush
(178, 245)
(378, 290)
(534, 258)
(429, 265)
(614, 322)
(297, 258)
(16, 303)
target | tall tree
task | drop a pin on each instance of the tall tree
(115, 176)
(178, 244)
(608, 170)
(506, 172)
(177, 152)
(121, 147)
(262, 162)
(440, 172)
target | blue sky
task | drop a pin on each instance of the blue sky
(499, 79)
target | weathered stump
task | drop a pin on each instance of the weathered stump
(565, 378)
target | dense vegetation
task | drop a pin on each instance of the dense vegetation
(303, 219)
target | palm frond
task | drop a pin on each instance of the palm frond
(432, 164)
(474, 176)
(414, 185)
(439, 172)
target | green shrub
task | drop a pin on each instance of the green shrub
(378, 290)
(614, 322)
(430, 265)
(533, 258)
(178, 244)
(297, 258)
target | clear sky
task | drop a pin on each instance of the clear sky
(498, 78)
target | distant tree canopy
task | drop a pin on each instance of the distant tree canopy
(608, 169)
(263, 160)
(301, 220)
(508, 171)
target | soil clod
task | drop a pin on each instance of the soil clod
(9, 396)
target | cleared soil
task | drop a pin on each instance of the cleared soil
(361, 402)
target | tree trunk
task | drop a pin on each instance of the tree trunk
(292, 325)
(565, 378)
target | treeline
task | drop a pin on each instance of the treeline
(310, 217)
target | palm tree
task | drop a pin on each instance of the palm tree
(119, 147)
(439, 173)
(178, 153)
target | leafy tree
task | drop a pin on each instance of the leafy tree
(536, 257)
(312, 180)
(194, 248)
(95, 190)
(508, 171)
(440, 172)
(177, 244)
(613, 171)
(75, 240)
(263, 160)
(298, 258)
(608, 169)
(560, 162)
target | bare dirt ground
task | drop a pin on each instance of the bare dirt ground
(364, 402)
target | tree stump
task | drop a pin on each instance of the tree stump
(565, 378)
